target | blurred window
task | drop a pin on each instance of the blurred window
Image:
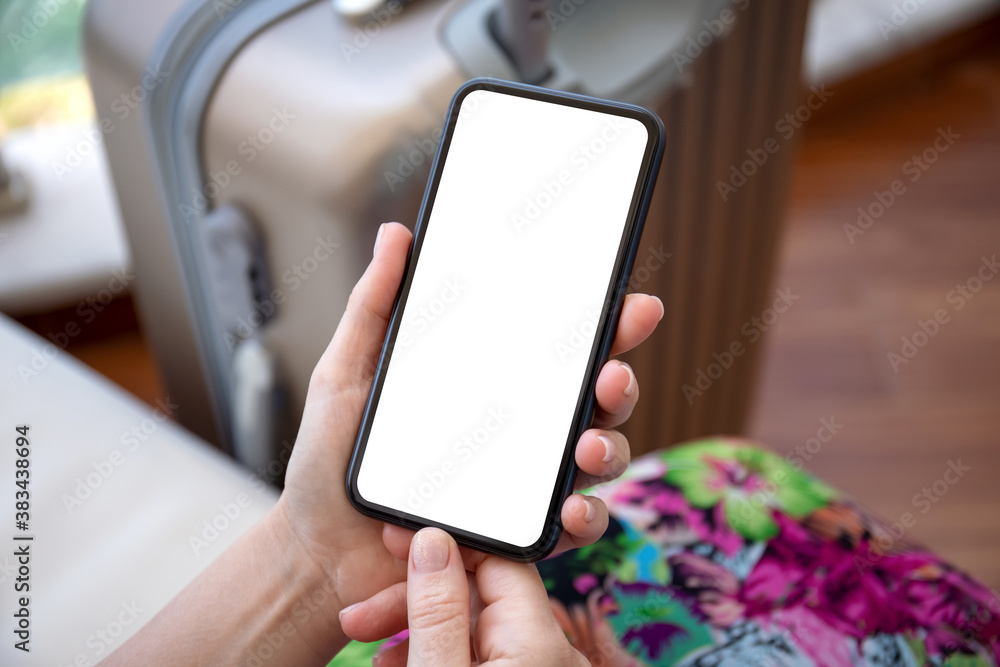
(41, 67)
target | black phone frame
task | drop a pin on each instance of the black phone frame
(607, 324)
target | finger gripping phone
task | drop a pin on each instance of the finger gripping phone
(507, 310)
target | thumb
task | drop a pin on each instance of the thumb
(437, 601)
(351, 356)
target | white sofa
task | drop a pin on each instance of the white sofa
(120, 497)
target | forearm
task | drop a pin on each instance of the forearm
(261, 602)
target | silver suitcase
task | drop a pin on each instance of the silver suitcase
(274, 136)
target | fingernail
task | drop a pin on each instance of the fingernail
(430, 550)
(609, 448)
(591, 512)
(378, 237)
(663, 310)
(347, 610)
(377, 660)
(632, 384)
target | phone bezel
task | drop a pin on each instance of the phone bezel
(607, 324)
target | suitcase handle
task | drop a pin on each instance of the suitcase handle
(519, 28)
(522, 31)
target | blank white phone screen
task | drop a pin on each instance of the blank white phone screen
(500, 321)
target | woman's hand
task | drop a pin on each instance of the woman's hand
(274, 596)
(321, 526)
(504, 617)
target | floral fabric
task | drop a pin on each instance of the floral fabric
(721, 553)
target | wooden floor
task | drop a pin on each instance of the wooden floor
(827, 356)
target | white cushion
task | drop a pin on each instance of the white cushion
(133, 539)
(70, 242)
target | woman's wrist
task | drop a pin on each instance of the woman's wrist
(264, 601)
(308, 606)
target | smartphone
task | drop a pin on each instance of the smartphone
(505, 315)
